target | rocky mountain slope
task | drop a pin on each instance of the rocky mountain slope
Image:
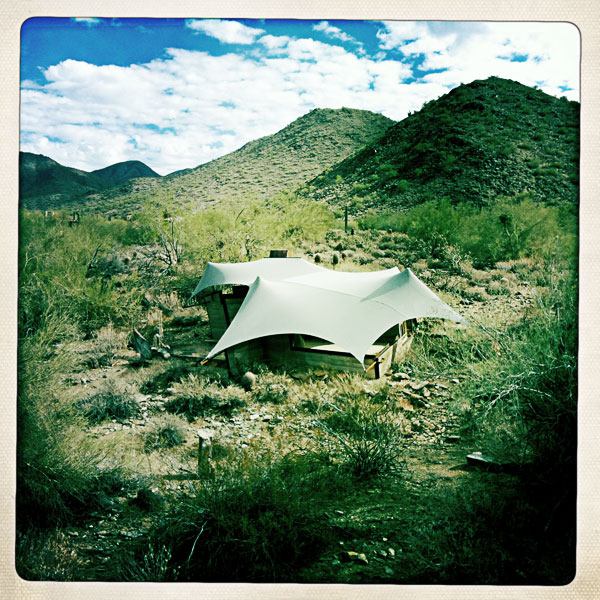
(260, 169)
(488, 138)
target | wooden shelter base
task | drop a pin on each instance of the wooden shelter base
(294, 352)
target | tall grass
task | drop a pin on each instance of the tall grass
(257, 523)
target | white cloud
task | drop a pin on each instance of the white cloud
(229, 32)
(190, 107)
(548, 52)
(89, 21)
(335, 33)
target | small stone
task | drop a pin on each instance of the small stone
(455, 381)
(267, 417)
(382, 553)
(248, 380)
(254, 417)
(391, 552)
(384, 539)
(418, 386)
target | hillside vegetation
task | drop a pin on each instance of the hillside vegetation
(481, 140)
(260, 169)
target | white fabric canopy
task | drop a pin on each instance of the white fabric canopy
(351, 310)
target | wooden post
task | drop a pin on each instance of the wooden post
(205, 451)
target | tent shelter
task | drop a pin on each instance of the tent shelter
(295, 313)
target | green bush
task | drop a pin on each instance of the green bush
(59, 477)
(507, 228)
(365, 437)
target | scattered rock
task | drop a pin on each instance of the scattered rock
(254, 417)
(357, 557)
(418, 386)
(248, 381)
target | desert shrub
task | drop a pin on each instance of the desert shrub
(197, 396)
(504, 229)
(54, 261)
(529, 405)
(113, 400)
(107, 342)
(151, 563)
(272, 388)
(497, 288)
(257, 523)
(475, 292)
(365, 437)
(165, 377)
(167, 431)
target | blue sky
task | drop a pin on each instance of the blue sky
(176, 93)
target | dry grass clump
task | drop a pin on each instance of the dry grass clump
(497, 288)
(166, 431)
(475, 292)
(195, 396)
(112, 400)
(272, 388)
(363, 433)
(107, 342)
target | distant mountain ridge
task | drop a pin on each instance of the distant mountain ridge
(481, 140)
(45, 183)
(124, 171)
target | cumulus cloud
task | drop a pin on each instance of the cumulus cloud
(191, 107)
(336, 33)
(543, 54)
(229, 32)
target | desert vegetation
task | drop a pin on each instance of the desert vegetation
(313, 477)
